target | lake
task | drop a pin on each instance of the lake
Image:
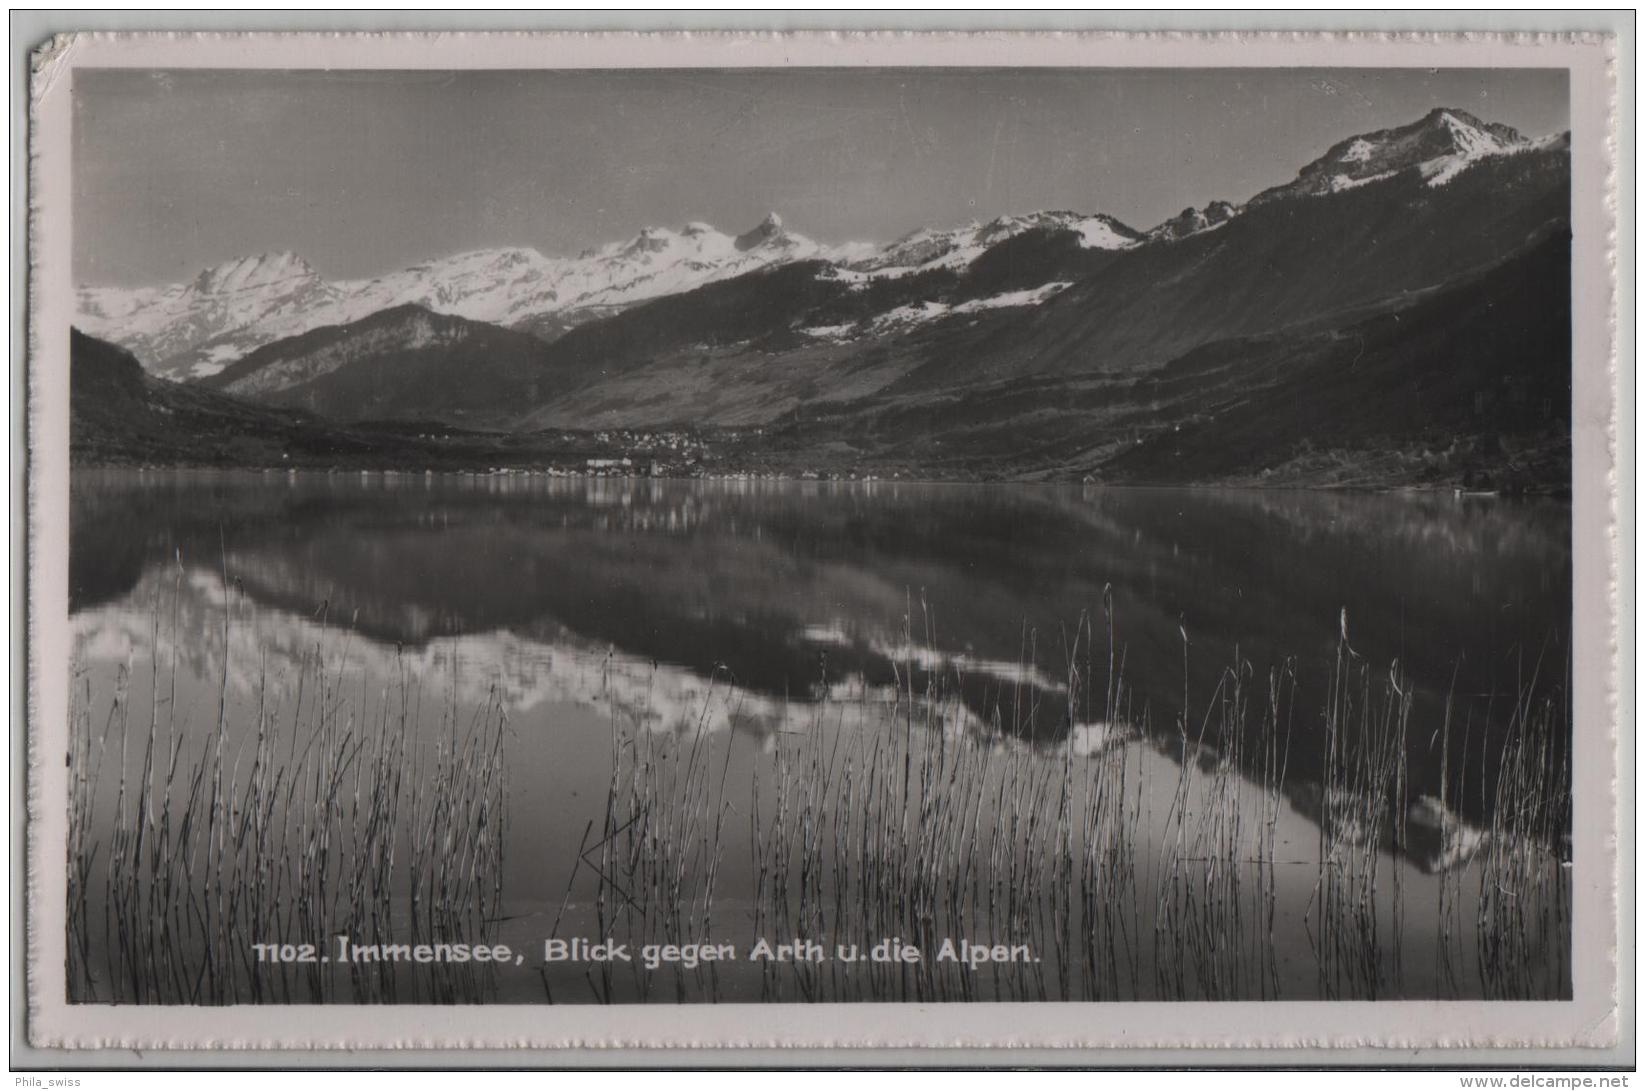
(1148, 743)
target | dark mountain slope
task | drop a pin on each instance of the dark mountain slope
(750, 307)
(1284, 263)
(1285, 267)
(1031, 259)
(119, 415)
(410, 363)
(1478, 374)
(767, 307)
(735, 352)
(1467, 385)
(403, 363)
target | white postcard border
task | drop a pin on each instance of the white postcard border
(1590, 1020)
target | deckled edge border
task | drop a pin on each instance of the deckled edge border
(51, 61)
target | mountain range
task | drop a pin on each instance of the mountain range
(1047, 344)
(195, 329)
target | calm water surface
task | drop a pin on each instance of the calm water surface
(780, 620)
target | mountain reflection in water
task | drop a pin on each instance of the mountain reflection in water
(637, 649)
(560, 588)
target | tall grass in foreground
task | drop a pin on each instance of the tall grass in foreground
(1134, 859)
(906, 814)
(1524, 913)
(334, 814)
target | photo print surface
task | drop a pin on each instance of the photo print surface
(771, 536)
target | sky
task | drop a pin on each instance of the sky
(363, 173)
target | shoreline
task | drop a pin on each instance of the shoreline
(811, 478)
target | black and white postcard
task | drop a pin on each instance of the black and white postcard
(823, 541)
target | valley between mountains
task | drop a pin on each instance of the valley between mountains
(1398, 315)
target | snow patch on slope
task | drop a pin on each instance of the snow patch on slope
(911, 315)
(1098, 233)
(1027, 297)
(1342, 182)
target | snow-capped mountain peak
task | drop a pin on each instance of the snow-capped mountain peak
(1192, 221)
(955, 248)
(256, 271)
(766, 232)
(197, 328)
(650, 240)
(1440, 144)
(1473, 136)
